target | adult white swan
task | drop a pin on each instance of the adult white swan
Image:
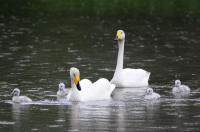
(127, 77)
(19, 99)
(85, 90)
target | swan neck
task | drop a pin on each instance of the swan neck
(72, 84)
(120, 57)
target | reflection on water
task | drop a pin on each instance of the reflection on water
(18, 114)
(36, 55)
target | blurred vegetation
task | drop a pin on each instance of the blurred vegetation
(118, 8)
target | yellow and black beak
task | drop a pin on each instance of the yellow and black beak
(76, 81)
(118, 36)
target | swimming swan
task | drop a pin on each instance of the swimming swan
(151, 95)
(180, 90)
(62, 91)
(85, 90)
(19, 99)
(127, 77)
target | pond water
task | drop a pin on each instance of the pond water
(37, 53)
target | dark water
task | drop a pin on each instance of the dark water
(36, 54)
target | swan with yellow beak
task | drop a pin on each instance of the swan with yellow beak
(127, 77)
(85, 90)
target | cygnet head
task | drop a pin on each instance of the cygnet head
(120, 35)
(16, 92)
(177, 83)
(75, 77)
(149, 91)
(61, 86)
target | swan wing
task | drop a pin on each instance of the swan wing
(133, 78)
(185, 88)
(101, 89)
(85, 84)
(24, 99)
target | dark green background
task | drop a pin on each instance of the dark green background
(117, 8)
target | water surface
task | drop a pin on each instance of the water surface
(36, 54)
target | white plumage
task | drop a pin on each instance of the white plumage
(85, 90)
(180, 90)
(19, 99)
(127, 77)
(62, 91)
(151, 95)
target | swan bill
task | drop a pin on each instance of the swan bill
(119, 35)
(78, 86)
(76, 81)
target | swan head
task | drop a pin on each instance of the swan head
(177, 83)
(75, 77)
(15, 92)
(61, 86)
(120, 35)
(149, 91)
